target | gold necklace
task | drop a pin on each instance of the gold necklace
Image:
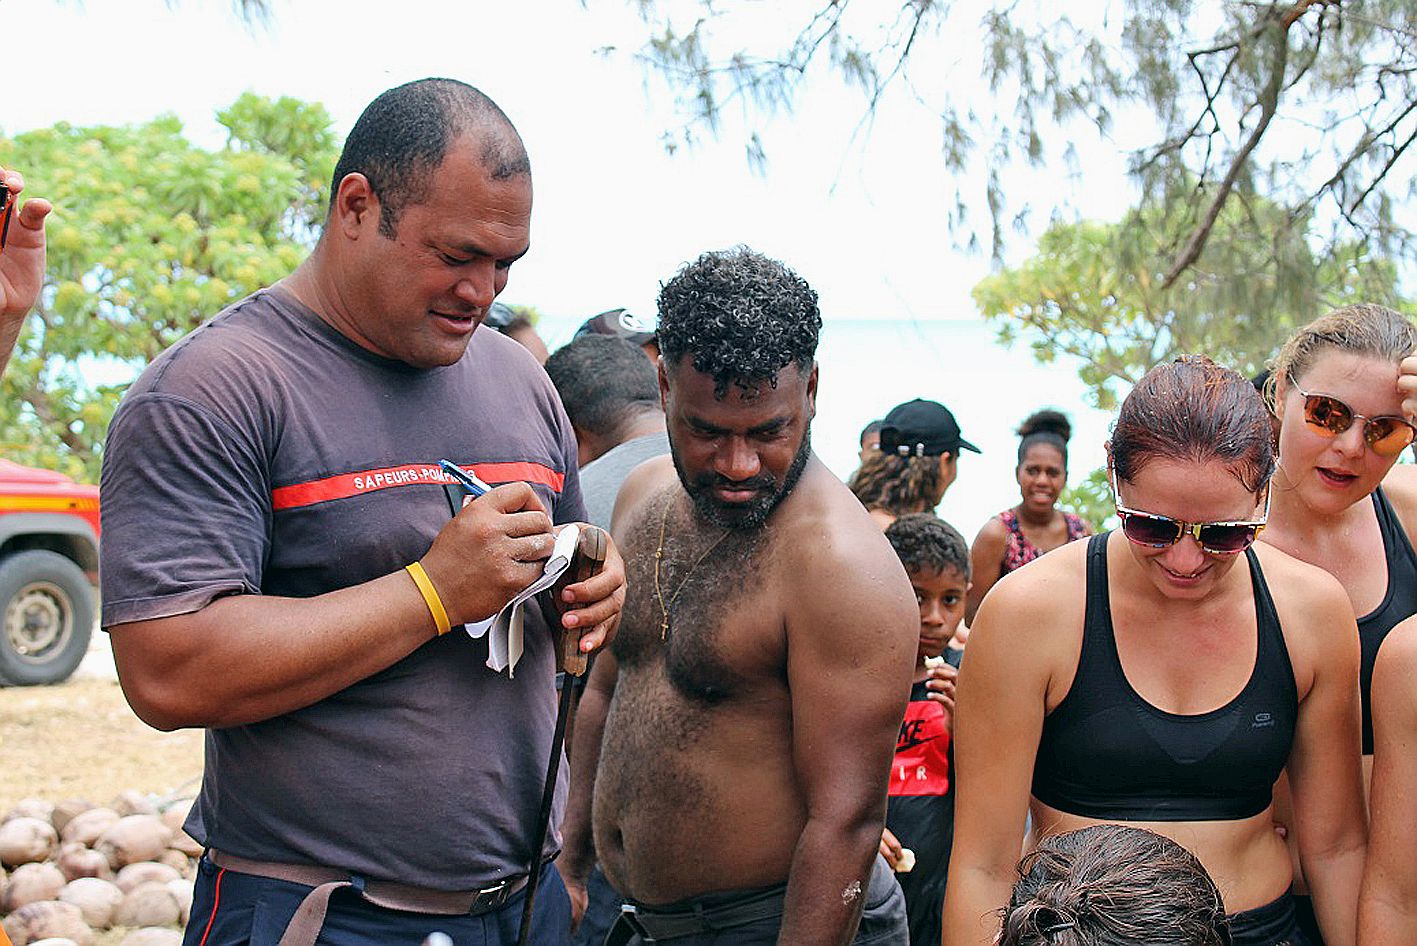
(664, 608)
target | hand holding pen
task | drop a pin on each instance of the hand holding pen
(491, 550)
(590, 607)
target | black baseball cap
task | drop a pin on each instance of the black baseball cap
(619, 323)
(921, 428)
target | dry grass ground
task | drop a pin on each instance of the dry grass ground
(80, 740)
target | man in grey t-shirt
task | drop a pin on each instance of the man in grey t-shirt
(611, 395)
(280, 566)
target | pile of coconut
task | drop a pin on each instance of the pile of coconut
(75, 869)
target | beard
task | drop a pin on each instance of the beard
(753, 513)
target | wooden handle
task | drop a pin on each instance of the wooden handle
(588, 560)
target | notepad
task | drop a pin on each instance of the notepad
(504, 629)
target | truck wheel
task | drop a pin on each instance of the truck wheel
(46, 617)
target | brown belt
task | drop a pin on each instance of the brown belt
(304, 926)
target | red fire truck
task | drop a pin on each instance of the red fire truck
(48, 573)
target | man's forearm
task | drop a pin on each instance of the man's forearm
(578, 842)
(246, 658)
(827, 888)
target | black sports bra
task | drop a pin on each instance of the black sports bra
(1399, 603)
(1106, 753)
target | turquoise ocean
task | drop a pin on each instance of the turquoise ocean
(867, 366)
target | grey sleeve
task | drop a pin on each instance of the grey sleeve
(571, 505)
(186, 511)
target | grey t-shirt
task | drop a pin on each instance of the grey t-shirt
(266, 453)
(601, 478)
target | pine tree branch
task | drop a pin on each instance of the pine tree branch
(1378, 178)
(1268, 103)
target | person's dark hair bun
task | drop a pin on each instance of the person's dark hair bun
(1047, 422)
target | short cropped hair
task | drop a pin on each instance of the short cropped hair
(1113, 885)
(926, 543)
(403, 136)
(740, 316)
(603, 381)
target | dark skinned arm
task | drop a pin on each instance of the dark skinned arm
(578, 842)
(842, 748)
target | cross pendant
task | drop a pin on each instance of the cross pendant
(664, 629)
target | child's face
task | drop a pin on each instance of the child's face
(940, 595)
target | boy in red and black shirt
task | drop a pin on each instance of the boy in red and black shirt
(920, 817)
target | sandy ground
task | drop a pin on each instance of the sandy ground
(80, 740)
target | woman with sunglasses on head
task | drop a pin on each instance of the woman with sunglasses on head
(1340, 500)
(1163, 675)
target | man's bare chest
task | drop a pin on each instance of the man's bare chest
(705, 614)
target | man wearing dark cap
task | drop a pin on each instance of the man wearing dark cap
(621, 323)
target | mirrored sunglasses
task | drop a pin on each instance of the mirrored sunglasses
(1158, 532)
(1388, 434)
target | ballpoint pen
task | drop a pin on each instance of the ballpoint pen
(466, 480)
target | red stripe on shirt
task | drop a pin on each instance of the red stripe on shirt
(413, 474)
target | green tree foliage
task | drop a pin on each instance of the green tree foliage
(1092, 291)
(1311, 104)
(151, 236)
(1092, 500)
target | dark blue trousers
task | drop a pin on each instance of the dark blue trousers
(234, 909)
(602, 911)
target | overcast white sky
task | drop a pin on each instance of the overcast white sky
(864, 222)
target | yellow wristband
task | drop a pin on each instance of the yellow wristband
(430, 596)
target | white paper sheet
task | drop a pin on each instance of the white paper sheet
(504, 643)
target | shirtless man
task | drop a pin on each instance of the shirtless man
(752, 701)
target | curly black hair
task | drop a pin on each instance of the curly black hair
(741, 315)
(926, 543)
(403, 136)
